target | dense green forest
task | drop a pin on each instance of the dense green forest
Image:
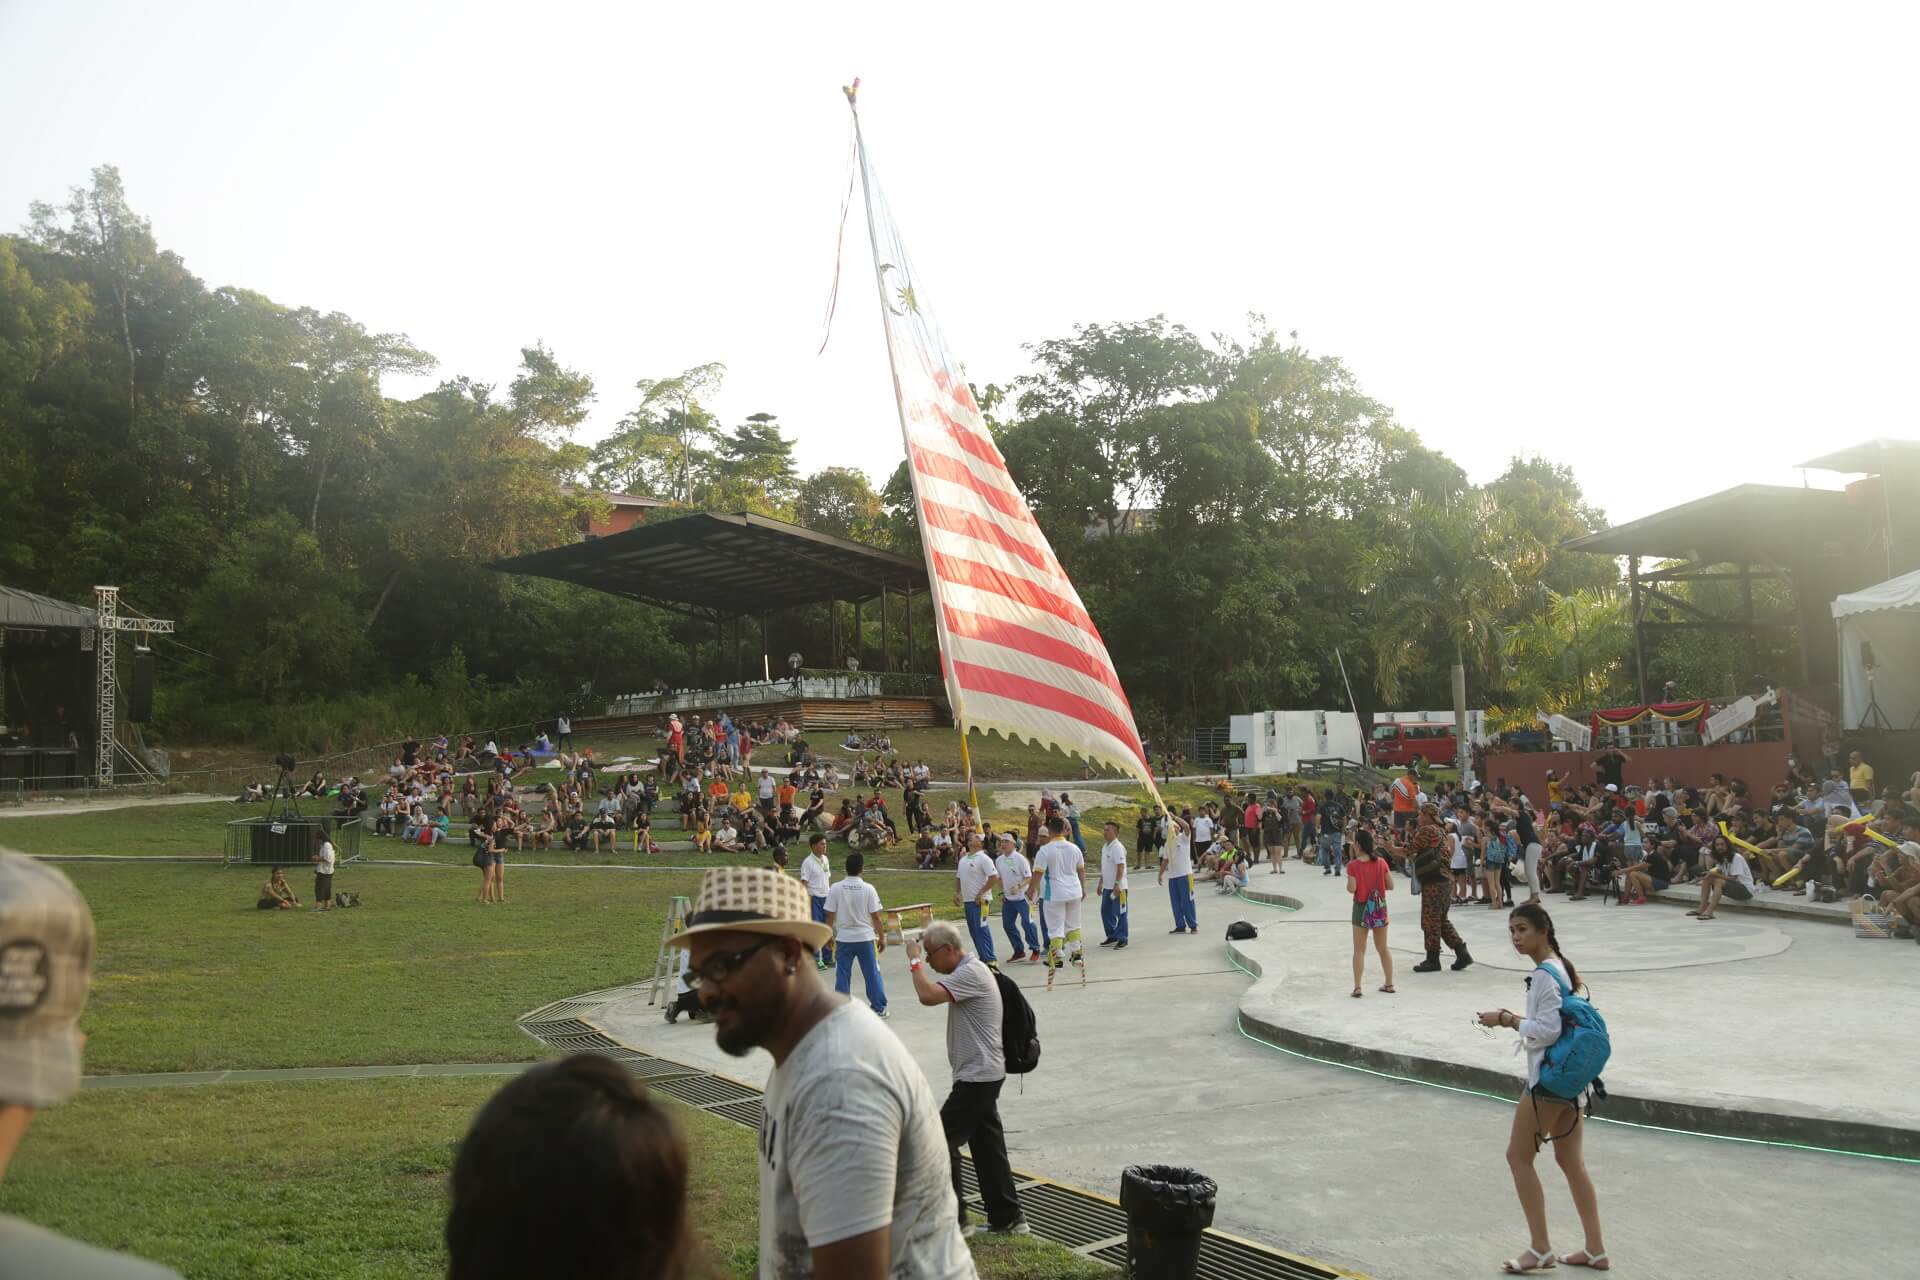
(1233, 509)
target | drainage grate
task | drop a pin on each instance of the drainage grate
(706, 1091)
(1225, 1259)
(654, 1069)
(1073, 1218)
(578, 1041)
(969, 1180)
(747, 1112)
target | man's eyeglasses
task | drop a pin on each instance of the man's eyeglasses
(717, 969)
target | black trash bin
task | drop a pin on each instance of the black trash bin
(1167, 1208)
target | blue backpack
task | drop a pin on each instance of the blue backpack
(1573, 1063)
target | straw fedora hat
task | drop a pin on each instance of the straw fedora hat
(750, 900)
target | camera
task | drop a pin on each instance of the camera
(286, 762)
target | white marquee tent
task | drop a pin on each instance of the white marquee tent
(1887, 618)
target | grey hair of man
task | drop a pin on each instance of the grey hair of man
(943, 933)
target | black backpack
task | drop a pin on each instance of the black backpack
(1241, 931)
(1019, 1031)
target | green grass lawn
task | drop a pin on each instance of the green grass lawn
(189, 976)
(346, 1178)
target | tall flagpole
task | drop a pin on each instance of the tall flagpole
(880, 290)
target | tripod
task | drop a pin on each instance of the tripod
(1873, 717)
(284, 788)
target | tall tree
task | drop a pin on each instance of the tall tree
(1442, 580)
(664, 446)
(840, 501)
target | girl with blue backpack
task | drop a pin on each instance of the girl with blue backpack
(1566, 1044)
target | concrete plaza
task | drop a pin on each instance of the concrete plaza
(1148, 1064)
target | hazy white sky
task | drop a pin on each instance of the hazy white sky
(1669, 244)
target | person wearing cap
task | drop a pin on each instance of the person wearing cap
(947, 975)
(1016, 913)
(46, 964)
(855, 1182)
(859, 934)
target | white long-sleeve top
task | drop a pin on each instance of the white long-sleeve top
(1540, 1026)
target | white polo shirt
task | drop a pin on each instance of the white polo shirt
(975, 871)
(854, 903)
(1113, 866)
(1203, 830)
(817, 874)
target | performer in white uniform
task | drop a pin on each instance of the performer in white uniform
(1059, 883)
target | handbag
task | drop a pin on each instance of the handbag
(480, 858)
(1373, 912)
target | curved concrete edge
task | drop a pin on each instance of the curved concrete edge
(1707, 1121)
(1268, 898)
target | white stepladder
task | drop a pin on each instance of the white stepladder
(667, 964)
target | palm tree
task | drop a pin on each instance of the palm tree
(1441, 578)
(1567, 655)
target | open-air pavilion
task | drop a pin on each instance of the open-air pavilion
(725, 570)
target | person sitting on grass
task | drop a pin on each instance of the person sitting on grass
(725, 838)
(925, 854)
(643, 833)
(541, 830)
(316, 787)
(578, 836)
(276, 894)
(702, 832)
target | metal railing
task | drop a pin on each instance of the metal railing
(839, 686)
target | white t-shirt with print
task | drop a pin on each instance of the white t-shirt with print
(1203, 830)
(1014, 870)
(1058, 863)
(851, 1142)
(1113, 866)
(853, 903)
(975, 871)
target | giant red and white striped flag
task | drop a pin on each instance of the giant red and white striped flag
(1018, 651)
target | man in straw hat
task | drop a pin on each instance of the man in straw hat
(853, 1171)
(46, 962)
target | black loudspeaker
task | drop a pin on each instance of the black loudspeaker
(140, 688)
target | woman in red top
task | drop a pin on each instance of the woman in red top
(1367, 881)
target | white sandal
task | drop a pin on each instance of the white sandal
(1539, 1262)
(1597, 1261)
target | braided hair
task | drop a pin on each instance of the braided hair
(1536, 915)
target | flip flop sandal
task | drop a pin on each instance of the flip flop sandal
(1355, 993)
(1389, 989)
(1597, 1261)
(1531, 1260)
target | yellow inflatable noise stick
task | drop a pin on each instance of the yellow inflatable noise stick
(1781, 882)
(1736, 840)
(1888, 841)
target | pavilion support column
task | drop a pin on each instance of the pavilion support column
(859, 636)
(1637, 606)
(736, 648)
(886, 654)
(909, 626)
(1749, 651)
